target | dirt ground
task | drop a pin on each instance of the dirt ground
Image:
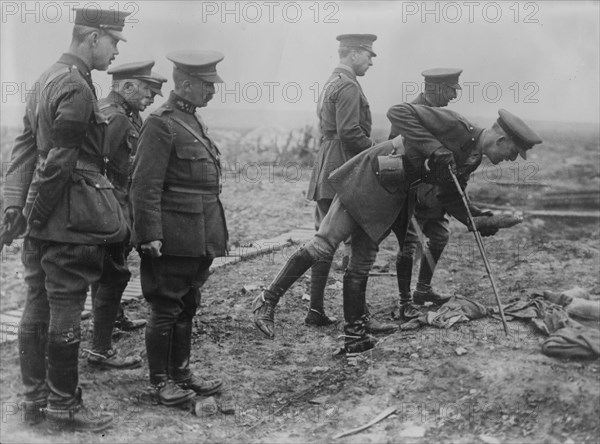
(293, 389)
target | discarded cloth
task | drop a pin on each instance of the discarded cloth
(457, 309)
(567, 337)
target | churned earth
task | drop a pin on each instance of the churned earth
(468, 384)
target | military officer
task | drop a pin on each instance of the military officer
(129, 95)
(179, 224)
(345, 124)
(155, 82)
(56, 183)
(367, 207)
(441, 85)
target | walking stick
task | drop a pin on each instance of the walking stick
(465, 200)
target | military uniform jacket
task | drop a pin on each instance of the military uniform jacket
(56, 170)
(176, 184)
(123, 133)
(425, 129)
(427, 206)
(345, 124)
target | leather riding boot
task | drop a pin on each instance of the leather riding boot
(65, 408)
(181, 345)
(406, 311)
(356, 339)
(179, 362)
(264, 304)
(162, 390)
(32, 355)
(424, 292)
(63, 376)
(318, 280)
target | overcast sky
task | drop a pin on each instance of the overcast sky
(538, 59)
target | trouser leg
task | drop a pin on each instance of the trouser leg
(107, 297)
(336, 227)
(70, 269)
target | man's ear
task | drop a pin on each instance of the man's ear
(186, 85)
(93, 38)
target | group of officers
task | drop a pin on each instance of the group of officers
(89, 181)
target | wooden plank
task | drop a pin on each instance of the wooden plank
(15, 313)
(7, 337)
(6, 320)
(86, 314)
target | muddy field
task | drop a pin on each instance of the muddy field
(470, 383)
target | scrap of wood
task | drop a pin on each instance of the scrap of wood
(379, 273)
(387, 412)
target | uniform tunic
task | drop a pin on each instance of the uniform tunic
(176, 184)
(345, 124)
(425, 130)
(124, 126)
(57, 162)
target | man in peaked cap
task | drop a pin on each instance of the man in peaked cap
(345, 125)
(56, 191)
(129, 95)
(440, 87)
(179, 223)
(367, 208)
(155, 83)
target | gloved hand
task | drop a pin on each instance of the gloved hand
(438, 164)
(488, 231)
(14, 224)
(484, 222)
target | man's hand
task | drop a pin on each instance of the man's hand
(438, 165)
(14, 224)
(152, 248)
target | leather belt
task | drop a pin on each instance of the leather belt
(330, 136)
(195, 190)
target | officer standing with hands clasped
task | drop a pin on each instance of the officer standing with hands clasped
(179, 224)
(130, 94)
(57, 183)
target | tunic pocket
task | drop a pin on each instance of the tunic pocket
(93, 207)
(201, 166)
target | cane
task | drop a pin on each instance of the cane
(465, 200)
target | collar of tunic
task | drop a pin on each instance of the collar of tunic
(119, 100)
(182, 104)
(77, 63)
